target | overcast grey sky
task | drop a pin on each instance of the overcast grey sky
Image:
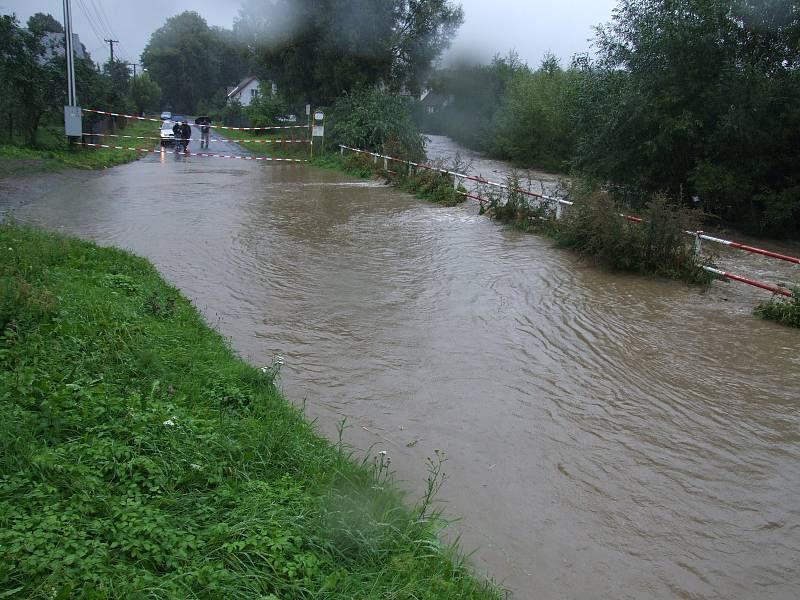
(531, 27)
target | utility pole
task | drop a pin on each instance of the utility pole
(111, 45)
(69, 54)
(73, 126)
(134, 65)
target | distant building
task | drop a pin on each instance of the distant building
(433, 102)
(248, 89)
(53, 45)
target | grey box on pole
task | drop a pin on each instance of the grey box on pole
(73, 127)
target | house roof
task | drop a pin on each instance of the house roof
(243, 84)
(434, 99)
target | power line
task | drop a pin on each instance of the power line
(103, 18)
(95, 29)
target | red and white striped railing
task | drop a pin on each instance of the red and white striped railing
(699, 235)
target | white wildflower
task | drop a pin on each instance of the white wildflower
(169, 423)
(382, 453)
(196, 467)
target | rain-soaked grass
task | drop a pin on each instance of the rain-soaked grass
(141, 458)
(54, 154)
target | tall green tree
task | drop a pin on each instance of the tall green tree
(145, 93)
(698, 97)
(28, 85)
(186, 57)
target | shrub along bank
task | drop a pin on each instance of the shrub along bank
(593, 227)
(785, 311)
(139, 457)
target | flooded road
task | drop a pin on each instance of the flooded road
(607, 436)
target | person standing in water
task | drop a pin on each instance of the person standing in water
(205, 131)
(186, 134)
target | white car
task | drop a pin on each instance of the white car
(167, 135)
(166, 115)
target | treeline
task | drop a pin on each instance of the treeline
(33, 81)
(315, 51)
(698, 99)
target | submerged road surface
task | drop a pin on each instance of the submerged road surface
(607, 436)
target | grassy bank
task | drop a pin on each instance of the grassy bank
(53, 153)
(139, 457)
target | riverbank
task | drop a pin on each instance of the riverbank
(139, 453)
(55, 154)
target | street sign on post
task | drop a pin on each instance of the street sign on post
(318, 131)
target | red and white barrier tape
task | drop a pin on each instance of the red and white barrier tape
(201, 154)
(113, 114)
(145, 137)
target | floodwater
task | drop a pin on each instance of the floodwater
(607, 436)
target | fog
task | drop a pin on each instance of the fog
(529, 27)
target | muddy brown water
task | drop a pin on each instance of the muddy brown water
(607, 436)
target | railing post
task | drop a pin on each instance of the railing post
(698, 243)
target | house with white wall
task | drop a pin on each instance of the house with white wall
(248, 89)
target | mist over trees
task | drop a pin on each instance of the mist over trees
(319, 49)
(315, 50)
(689, 97)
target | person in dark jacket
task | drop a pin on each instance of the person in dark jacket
(176, 129)
(186, 134)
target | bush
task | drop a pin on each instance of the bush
(516, 208)
(785, 311)
(431, 185)
(376, 120)
(659, 244)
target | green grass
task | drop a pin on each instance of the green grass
(140, 458)
(785, 311)
(53, 154)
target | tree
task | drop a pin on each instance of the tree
(43, 23)
(698, 97)
(145, 93)
(319, 49)
(378, 120)
(28, 86)
(191, 62)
